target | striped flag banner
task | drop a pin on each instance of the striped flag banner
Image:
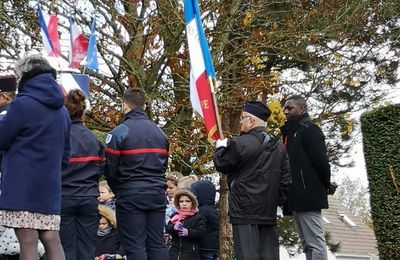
(92, 61)
(75, 81)
(79, 45)
(49, 32)
(201, 69)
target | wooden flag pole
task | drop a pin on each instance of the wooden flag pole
(216, 111)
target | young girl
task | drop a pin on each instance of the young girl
(106, 197)
(186, 227)
(108, 243)
(172, 189)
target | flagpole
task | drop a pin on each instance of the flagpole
(216, 111)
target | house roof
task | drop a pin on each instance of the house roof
(354, 236)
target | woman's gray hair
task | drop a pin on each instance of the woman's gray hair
(28, 63)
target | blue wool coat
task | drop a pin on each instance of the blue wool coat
(34, 135)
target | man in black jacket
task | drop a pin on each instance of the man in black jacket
(257, 167)
(136, 161)
(310, 171)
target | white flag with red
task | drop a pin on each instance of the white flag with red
(202, 69)
(79, 45)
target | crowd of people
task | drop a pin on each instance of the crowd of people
(53, 205)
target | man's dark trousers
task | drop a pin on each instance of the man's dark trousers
(140, 219)
(255, 242)
(79, 225)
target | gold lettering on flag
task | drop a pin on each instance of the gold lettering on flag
(204, 104)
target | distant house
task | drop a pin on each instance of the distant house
(357, 241)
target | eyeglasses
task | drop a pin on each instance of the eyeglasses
(243, 117)
(289, 108)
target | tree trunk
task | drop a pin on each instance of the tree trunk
(225, 228)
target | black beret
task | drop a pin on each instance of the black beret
(257, 109)
(8, 83)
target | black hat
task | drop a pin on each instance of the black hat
(8, 83)
(257, 109)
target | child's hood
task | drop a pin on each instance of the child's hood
(205, 192)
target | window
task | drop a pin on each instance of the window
(326, 220)
(346, 219)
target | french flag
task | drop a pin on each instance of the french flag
(75, 81)
(201, 69)
(49, 32)
(79, 45)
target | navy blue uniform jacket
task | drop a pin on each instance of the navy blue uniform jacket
(136, 156)
(81, 177)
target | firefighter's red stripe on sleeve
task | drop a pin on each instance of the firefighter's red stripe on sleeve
(86, 159)
(136, 151)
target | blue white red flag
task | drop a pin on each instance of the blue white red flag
(79, 45)
(49, 32)
(202, 69)
(92, 62)
(75, 81)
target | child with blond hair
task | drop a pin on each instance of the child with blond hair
(106, 197)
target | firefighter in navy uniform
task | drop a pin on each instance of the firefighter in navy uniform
(80, 185)
(136, 162)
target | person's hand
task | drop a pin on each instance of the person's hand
(222, 143)
(183, 232)
(178, 225)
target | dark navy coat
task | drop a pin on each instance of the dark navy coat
(205, 193)
(136, 156)
(34, 135)
(81, 177)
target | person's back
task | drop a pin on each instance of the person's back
(257, 168)
(145, 154)
(137, 158)
(34, 135)
(209, 243)
(79, 214)
(34, 131)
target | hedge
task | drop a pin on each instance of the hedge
(381, 141)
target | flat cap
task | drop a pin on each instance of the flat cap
(8, 83)
(257, 109)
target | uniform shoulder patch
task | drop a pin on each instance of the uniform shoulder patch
(108, 138)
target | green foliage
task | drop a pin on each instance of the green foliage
(100, 135)
(332, 246)
(288, 236)
(380, 129)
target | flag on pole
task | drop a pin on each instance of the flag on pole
(201, 69)
(92, 62)
(75, 81)
(49, 32)
(79, 45)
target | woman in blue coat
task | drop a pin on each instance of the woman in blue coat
(34, 135)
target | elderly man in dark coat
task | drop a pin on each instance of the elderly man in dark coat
(257, 167)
